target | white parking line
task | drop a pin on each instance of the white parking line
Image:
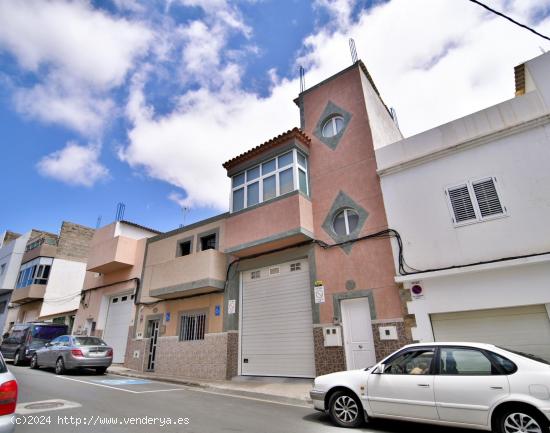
(119, 389)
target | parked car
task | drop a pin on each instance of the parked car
(471, 385)
(25, 338)
(69, 352)
(8, 398)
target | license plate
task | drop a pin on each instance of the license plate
(96, 354)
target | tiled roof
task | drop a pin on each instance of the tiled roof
(293, 133)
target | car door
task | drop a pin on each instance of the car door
(467, 385)
(11, 344)
(405, 388)
(47, 357)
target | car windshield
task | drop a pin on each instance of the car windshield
(89, 341)
(47, 333)
(527, 355)
(18, 334)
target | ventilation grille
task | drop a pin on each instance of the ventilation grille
(461, 202)
(487, 198)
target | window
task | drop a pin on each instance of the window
(411, 362)
(274, 271)
(36, 271)
(475, 201)
(295, 267)
(333, 126)
(254, 275)
(507, 366)
(345, 222)
(208, 242)
(467, 362)
(192, 326)
(184, 248)
(2, 268)
(285, 173)
(3, 305)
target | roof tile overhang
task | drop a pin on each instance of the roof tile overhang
(294, 133)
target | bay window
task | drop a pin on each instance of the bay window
(275, 177)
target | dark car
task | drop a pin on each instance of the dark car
(70, 352)
(24, 339)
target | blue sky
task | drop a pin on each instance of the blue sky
(141, 102)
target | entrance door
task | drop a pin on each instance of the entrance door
(153, 333)
(359, 342)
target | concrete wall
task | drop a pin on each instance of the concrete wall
(11, 255)
(74, 242)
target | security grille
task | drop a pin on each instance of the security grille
(192, 327)
(461, 202)
(487, 198)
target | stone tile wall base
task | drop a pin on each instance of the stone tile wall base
(384, 348)
(327, 359)
(232, 354)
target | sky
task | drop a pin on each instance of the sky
(140, 102)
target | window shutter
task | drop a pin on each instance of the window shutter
(461, 202)
(487, 198)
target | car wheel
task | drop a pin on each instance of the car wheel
(345, 409)
(101, 370)
(521, 420)
(34, 362)
(59, 366)
(17, 358)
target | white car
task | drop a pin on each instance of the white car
(471, 385)
(8, 398)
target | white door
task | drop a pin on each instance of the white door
(526, 329)
(406, 388)
(467, 386)
(359, 342)
(119, 316)
(276, 321)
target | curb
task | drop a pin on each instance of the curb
(218, 390)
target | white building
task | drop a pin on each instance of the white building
(471, 201)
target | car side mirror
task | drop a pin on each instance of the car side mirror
(48, 344)
(380, 369)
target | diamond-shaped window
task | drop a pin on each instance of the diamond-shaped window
(345, 220)
(332, 124)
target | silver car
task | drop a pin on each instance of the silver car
(8, 398)
(70, 352)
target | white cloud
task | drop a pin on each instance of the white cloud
(77, 53)
(74, 165)
(433, 60)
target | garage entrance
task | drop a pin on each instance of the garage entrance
(119, 316)
(276, 321)
(526, 329)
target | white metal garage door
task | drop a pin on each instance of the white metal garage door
(119, 316)
(276, 322)
(526, 329)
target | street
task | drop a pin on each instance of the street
(97, 403)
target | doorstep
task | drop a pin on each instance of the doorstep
(279, 390)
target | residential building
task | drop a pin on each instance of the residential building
(51, 275)
(297, 279)
(12, 247)
(471, 201)
(114, 266)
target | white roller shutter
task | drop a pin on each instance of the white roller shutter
(119, 316)
(526, 329)
(276, 321)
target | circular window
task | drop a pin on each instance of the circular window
(345, 222)
(333, 126)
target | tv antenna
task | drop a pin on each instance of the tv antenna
(98, 222)
(352, 50)
(302, 79)
(120, 208)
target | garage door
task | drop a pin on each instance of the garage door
(276, 327)
(526, 329)
(119, 316)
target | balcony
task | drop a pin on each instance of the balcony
(112, 254)
(197, 273)
(28, 293)
(281, 222)
(40, 249)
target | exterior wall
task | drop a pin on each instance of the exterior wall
(507, 286)
(11, 255)
(11, 317)
(64, 287)
(28, 312)
(74, 242)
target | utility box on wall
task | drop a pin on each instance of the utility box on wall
(388, 332)
(332, 336)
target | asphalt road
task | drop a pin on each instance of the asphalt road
(98, 402)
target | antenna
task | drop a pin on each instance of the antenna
(120, 207)
(302, 79)
(352, 50)
(98, 222)
(393, 114)
(185, 210)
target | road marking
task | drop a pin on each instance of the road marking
(44, 406)
(122, 381)
(119, 389)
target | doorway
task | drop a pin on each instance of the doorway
(358, 337)
(153, 333)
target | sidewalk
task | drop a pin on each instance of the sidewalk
(280, 390)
